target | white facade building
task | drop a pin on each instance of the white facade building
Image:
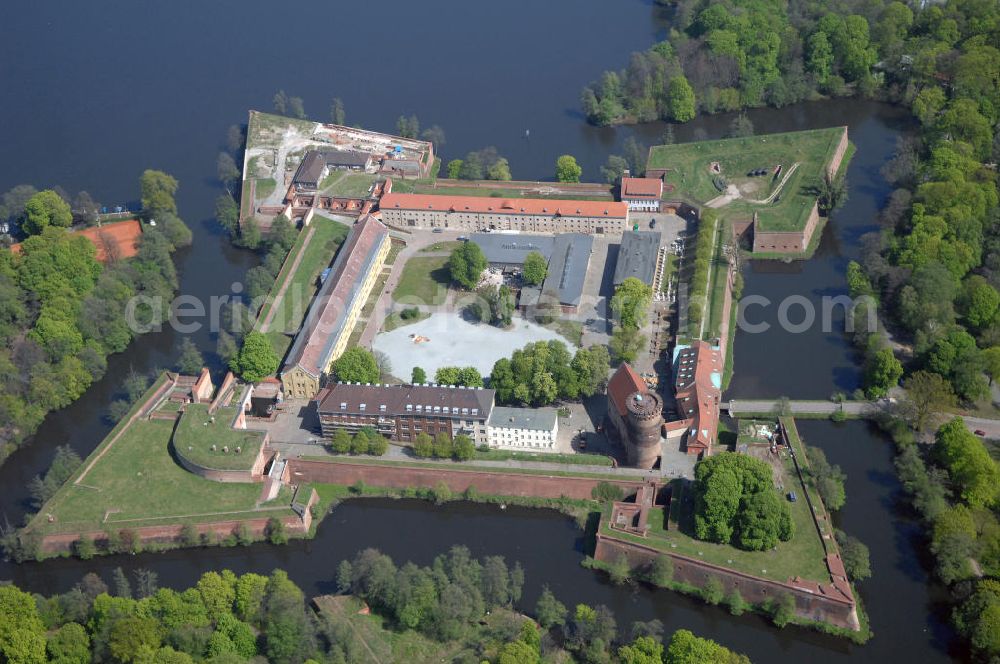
(523, 429)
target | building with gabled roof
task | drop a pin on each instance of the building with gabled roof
(698, 384)
(335, 309)
(637, 257)
(483, 213)
(402, 412)
(642, 194)
(529, 429)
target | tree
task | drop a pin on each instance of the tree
(972, 470)
(157, 192)
(337, 114)
(740, 127)
(625, 344)
(829, 479)
(567, 170)
(455, 168)
(686, 648)
(819, 59)
(463, 448)
(619, 570)
(680, 99)
(660, 571)
(499, 170)
(736, 502)
(926, 393)
(855, 556)
(613, 169)
(226, 169)
(882, 373)
(131, 635)
(296, 108)
(341, 441)
(549, 611)
(360, 443)
(635, 155)
(442, 446)
(280, 102)
(256, 359)
(434, 134)
(713, 592)
(70, 644)
(44, 209)
(356, 365)
(466, 264)
(423, 446)
(991, 363)
(644, 650)
(408, 127)
(418, 376)
(534, 269)
(227, 213)
(630, 303)
(378, 446)
(190, 360)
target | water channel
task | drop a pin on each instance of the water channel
(102, 90)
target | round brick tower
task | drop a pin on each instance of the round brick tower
(644, 423)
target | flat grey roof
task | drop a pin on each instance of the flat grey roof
(535, 419)
(637, 256)
(509, 249)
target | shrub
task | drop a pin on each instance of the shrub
(606, 492)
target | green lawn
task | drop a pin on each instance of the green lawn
(197, 432)
(691, 174)
(425, 279)
(442, 247)
(317, 254)
(717, 292)
(264, 187)
(802, 556)
(377, 289)
(394, 320)
(138, 483)
(346, 184)
(571, 330)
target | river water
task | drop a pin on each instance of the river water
(99, 91)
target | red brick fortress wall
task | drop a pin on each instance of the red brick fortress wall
(403, 477)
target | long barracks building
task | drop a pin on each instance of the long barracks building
(403, 412)
(335, 310)
(528, 215)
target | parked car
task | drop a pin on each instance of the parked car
(437, 230)
(980, 433)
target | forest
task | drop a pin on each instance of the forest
(459, 606)
(62, 312)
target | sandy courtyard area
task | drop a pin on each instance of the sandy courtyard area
(454, 342)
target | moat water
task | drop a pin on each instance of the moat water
(102, 90)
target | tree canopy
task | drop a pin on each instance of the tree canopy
(567, 170)
(356, 365)
(466, 264)
(544, 371)
(535, 268)
(736, 503)
(256, 359)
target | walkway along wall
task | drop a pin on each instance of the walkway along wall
(172, 534)
(299, 471)
(809, 605)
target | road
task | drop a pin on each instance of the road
(805, 407)
(991, 427)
